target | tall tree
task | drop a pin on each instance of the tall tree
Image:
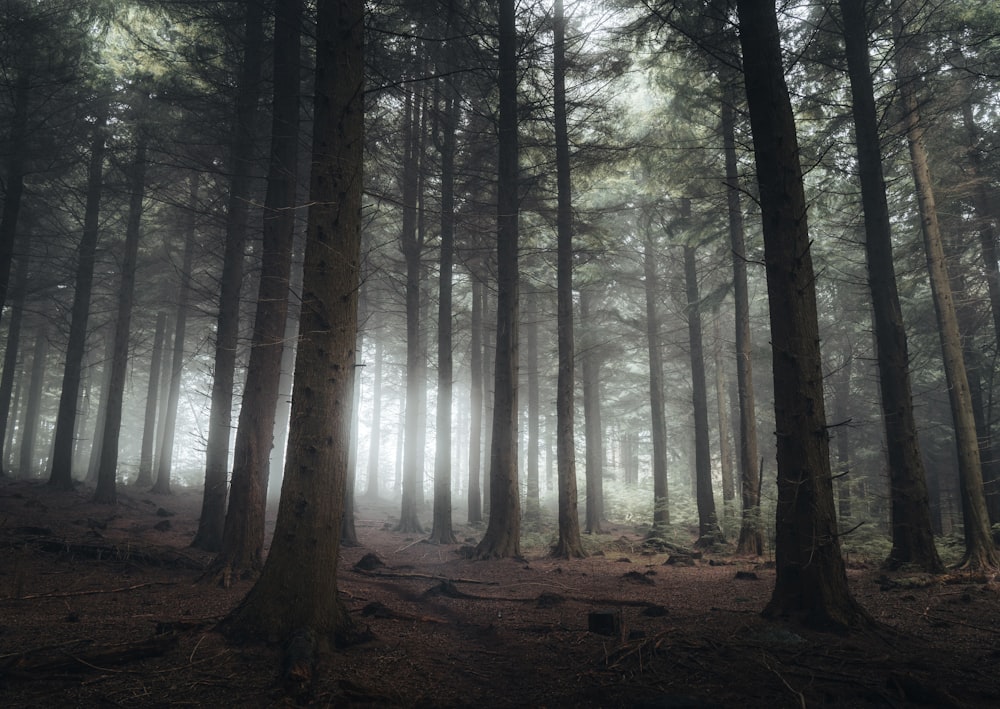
(590, 365)
(657, 420)
(241, 539)
(297, 589)
(980, 551)
(107, 474)
(502, 538)
(811, 583)
(61, 474)
(173, 374)
(441, 531)
(709, 531)
(475, 497)
(240, 165)
(751, 540)
(569, 544)
(145, 475)
(374, 479)
(31, 418)
(912, 534)
(412, 246)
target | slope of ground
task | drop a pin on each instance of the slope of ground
(101, 606)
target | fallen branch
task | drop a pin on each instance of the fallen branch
(429, 577)
(39, 664)
(92, 592)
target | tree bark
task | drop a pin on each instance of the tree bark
(241, 165)
(811, 582)
(980, 552)
(297, 589)
(912, 533)
(502, 538)
(65, 434)
(14, 185)
(107, 473)
(8, 400)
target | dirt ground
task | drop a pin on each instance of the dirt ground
(101, 606)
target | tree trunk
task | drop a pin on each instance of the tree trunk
(841, 417)
(811, 583)
(475, 495)
(502, 538)
(166, 457)
(11, 350)
(441, 531)
(297, 589)
(241, 165)
(532, 508)
(413, 455)
(590, 361)
(29, 421)
(374, 480)
(980, 552)
(751, 539)
(107, 474)
(569, 545)
(14, 185)
(722, 411)
(912, 533)
(145, 476)
(65, 434)
(348, 532)
(709, 532)
(97, 440)
(240, 537)
(657, 420)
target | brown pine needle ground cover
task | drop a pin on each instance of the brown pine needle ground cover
(101, 606)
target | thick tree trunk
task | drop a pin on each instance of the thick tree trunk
(165, 461)
(912, 533)
(657, 419)
(475, 495)
(107, 473)
(709, 532)
(33, 405)
(145, 475)
(980, 552)
(590, 361)
(502, 538)
(811, 583)
(64, 437)
(240, 541)
(297, 589)
(241, 164)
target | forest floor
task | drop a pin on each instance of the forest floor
(102, 606)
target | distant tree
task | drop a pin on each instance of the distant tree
(297, 589)
(475, 497)
(658, 425)
(811, 583)
(145, 474)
